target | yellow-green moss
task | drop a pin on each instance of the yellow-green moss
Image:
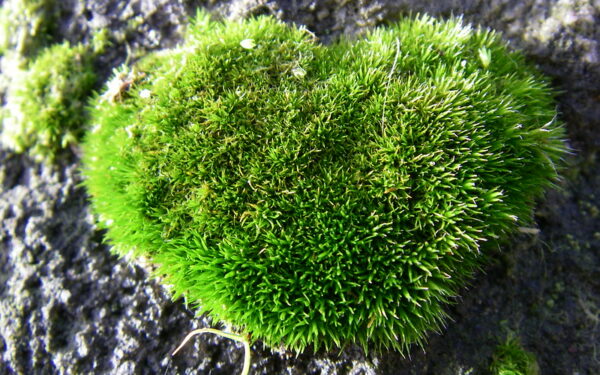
(27, 25)
(45, 101)
(511, 359)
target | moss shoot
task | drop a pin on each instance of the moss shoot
(45, 102)
(511, 359)
(314, 196)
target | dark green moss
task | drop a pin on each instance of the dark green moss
(316, 195)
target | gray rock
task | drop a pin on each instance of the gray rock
(69, 307)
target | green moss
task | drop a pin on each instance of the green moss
(45, 109)
(316, 195)
(511, 359)
(27, 25)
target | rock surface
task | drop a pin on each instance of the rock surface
(69, 307)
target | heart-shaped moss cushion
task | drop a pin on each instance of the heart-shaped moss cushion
(315, 195)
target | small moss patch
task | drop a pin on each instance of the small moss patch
(27, 25)
(45, 109)
(316, 195)
(511, 359)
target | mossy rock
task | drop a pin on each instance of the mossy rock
(27, 25)
(45, 110)
(314, 195)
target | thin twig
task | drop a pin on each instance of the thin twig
(387, 86)
(231, 336)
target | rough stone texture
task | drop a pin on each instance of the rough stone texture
(69, 307)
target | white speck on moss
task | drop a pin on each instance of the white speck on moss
(298, 72)
(248, 43)
(145, 94)
(129, 131)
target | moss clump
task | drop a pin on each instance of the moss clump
(45, 103)
(27, 25)
(511, 359)
(316, 195)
